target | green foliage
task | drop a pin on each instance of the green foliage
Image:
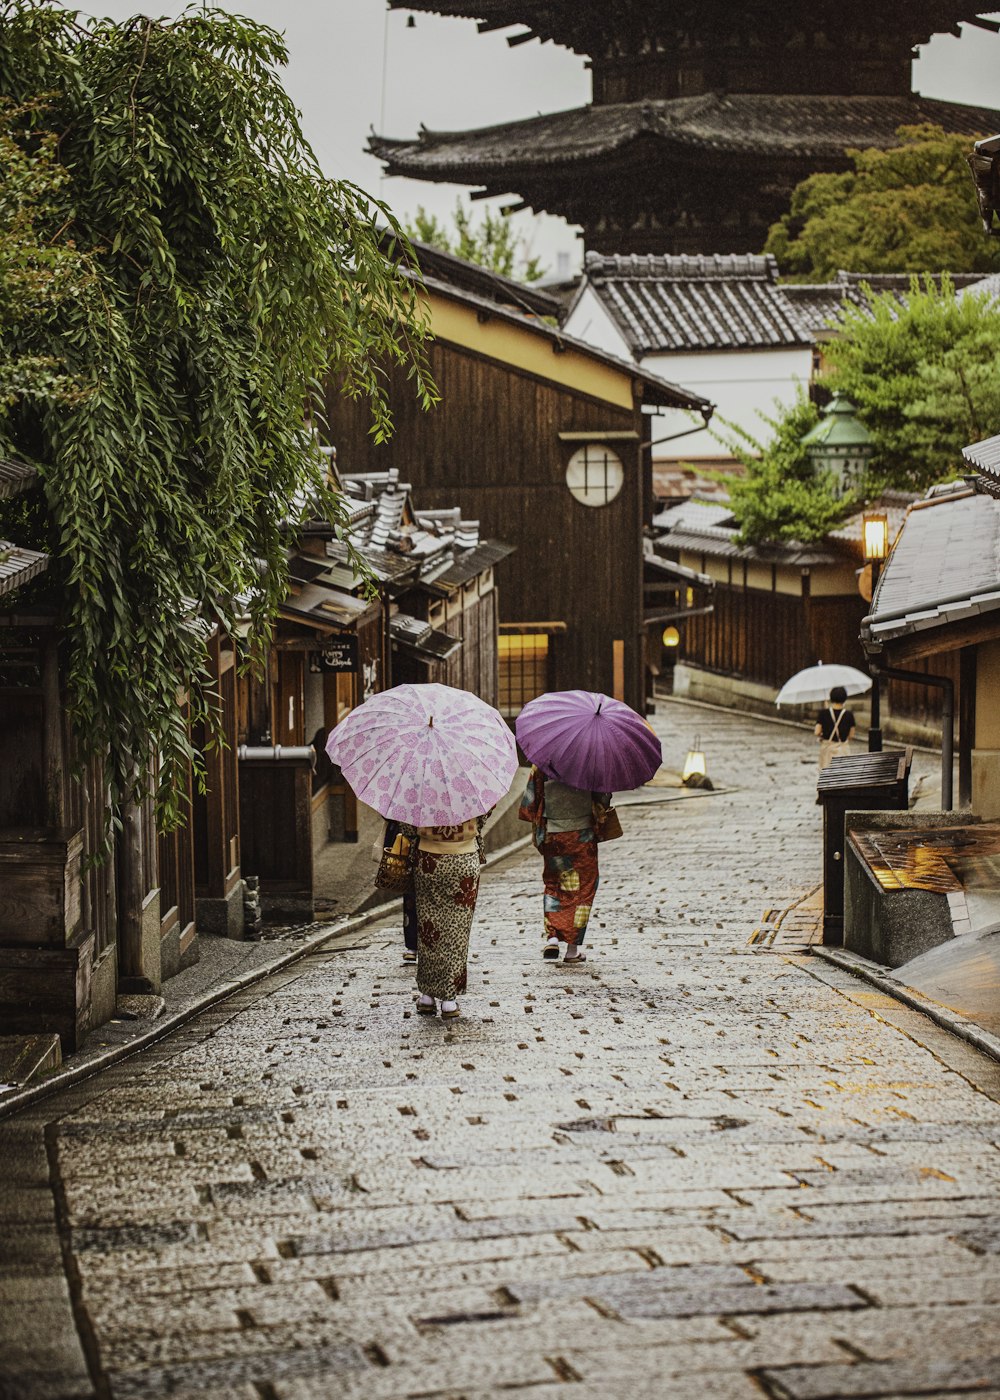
(907, 209)
(492, 243)
(924, 375)
(780, 497)
(204, 279)
(36, 277)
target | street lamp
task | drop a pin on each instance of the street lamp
(695, 768)
(983, 163)
(875, 544)
(840, 444)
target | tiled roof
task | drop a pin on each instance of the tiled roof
(470, 565)
(893, 505)
(985, 457)
(18, 565)
(726, 124)
(404, 546)
(421, 639)
(722, 301)
(682, 302)
(707, 527)
(944, 567)
(15, 477)
(698, 515)
(506, 291)
(984, 286)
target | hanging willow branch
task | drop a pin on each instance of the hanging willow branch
(224, 280)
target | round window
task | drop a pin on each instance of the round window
(595, 474)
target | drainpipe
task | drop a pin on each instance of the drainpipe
(947, 686)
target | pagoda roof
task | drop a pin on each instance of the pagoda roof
(761, 125)
(573, 23)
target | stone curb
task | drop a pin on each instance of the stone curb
(65, 1078)
(881, 977)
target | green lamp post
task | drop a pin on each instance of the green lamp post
(840, 443)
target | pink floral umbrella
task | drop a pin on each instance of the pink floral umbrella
(428, 755)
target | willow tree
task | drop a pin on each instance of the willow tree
(221, 278)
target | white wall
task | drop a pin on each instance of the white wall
(741, 384)
(590, 322)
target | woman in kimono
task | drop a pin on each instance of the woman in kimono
(565, 821)
(446, 886)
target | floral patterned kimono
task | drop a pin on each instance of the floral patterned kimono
(446, 885)
(570, 872)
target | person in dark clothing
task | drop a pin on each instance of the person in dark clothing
(392, 830)
(834, 728)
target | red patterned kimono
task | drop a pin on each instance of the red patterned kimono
(570, 874)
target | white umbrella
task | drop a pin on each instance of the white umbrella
(813, 685)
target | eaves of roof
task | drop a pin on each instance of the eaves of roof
(472, 562)
(985, 457)
(724, 126)
(656, 390)
(18, 566)
(505, 291)
(430, 644)
(718, 543)
(672, 569)
(15, 477)
(328, 608)
(944, 569)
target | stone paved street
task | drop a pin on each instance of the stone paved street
(694, 1167)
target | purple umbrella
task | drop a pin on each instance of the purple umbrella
(588, 741)
(429, 755)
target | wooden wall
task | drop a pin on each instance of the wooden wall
(474, 666)
(767, 637)
(492, 448)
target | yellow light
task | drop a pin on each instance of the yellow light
(875, 537)
(671, 637)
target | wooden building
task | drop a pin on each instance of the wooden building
(77, 930)
(544, 441)
(936, 616)
(82, 920)
(432, 616)
(776, 609)
(704, 114)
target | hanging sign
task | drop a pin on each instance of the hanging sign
(341, 655)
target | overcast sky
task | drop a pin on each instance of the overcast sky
(354, 66)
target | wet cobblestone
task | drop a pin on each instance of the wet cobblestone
(693, 1167)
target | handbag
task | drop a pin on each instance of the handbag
(607, 823)
(395, 869)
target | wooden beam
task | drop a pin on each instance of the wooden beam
(949, 637)
(52, 733)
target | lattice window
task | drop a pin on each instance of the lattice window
(595, 474)
(524, 669)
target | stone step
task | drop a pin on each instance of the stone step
(25, 1057)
